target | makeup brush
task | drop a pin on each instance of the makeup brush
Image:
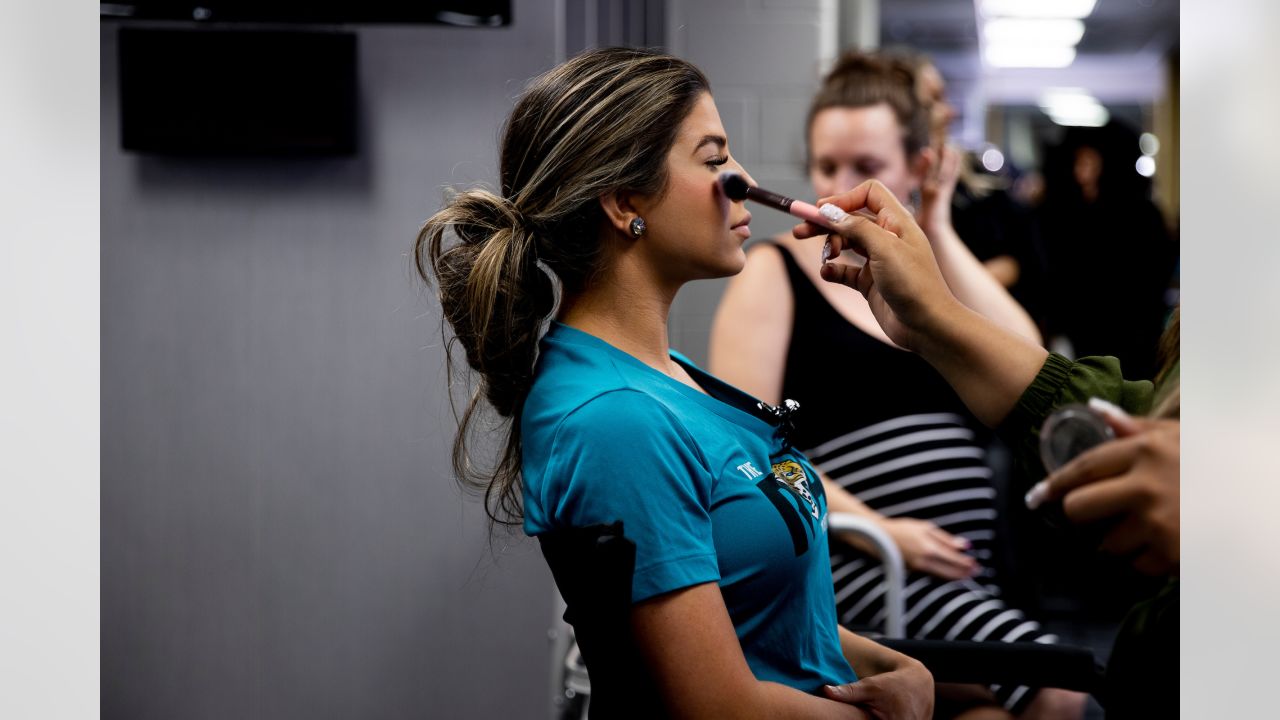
(736, 187)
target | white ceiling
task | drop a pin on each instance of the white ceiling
(1114, 26)
(1119, 60)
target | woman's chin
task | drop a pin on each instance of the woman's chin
(735, 262)
(728, 262)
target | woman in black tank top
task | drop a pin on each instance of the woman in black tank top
(898, 446)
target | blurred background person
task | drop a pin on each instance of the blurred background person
(1037, 81)
(899, 448)
(1110, 256)
(996, 227)
(1125, 490)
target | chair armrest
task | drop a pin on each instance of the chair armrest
(895, 573)
(1001, 663)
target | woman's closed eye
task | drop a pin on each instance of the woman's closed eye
(717, 161)
(868, 168)
(864, 168)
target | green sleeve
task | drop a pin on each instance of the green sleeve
(1062, 382)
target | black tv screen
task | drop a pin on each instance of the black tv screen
(236, 92)
(463, 13)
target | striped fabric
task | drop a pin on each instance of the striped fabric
(924, 466)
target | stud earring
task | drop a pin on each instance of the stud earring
(637, 227)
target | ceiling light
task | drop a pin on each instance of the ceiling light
(1008, 31)
(1066, 97)
(1073, 106)
(1038, 8)
(1146, 166)
(1050, 56)
(1085, 117)
(1149, 144)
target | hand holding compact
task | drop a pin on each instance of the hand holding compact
(1132, 483)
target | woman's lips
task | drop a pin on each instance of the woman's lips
(743, 227)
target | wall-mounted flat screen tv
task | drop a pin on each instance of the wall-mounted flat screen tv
(237, 92)
(464, 13)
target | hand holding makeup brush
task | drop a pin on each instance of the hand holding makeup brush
(901, 280)
(988, 365)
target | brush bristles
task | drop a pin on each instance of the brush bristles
(735, 186)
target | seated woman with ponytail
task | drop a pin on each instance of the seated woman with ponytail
(608, 189)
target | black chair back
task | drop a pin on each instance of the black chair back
(592, 567)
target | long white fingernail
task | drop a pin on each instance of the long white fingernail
(1036, 495)
(1108, 408)
(833, 213)
(826, 251)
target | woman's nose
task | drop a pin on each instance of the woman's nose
(846, 179)
(743, 172)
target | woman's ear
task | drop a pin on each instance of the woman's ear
(619, 210)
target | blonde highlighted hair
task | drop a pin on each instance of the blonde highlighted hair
(602, 122)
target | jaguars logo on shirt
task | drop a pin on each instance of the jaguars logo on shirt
(797, 501)
(791, 473)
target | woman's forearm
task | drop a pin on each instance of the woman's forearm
(840, 500)
(868, 657)
(890, 684)
(843, 501)
(774, 700)
(987, 365)
(975, 286)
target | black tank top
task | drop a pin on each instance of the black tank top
(846, 379)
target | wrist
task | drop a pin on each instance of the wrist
(935, 329)
(941, 331)
(939, 230)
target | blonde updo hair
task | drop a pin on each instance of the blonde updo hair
(861, 79)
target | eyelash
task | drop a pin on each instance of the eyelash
(716, 162)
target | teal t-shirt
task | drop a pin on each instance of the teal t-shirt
(705, 486)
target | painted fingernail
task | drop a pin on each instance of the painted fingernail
(826, 251)
(1108, 408)
(1037, 495)
(832, 213)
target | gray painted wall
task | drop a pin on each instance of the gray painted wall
(765, 60)
(280, 534)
